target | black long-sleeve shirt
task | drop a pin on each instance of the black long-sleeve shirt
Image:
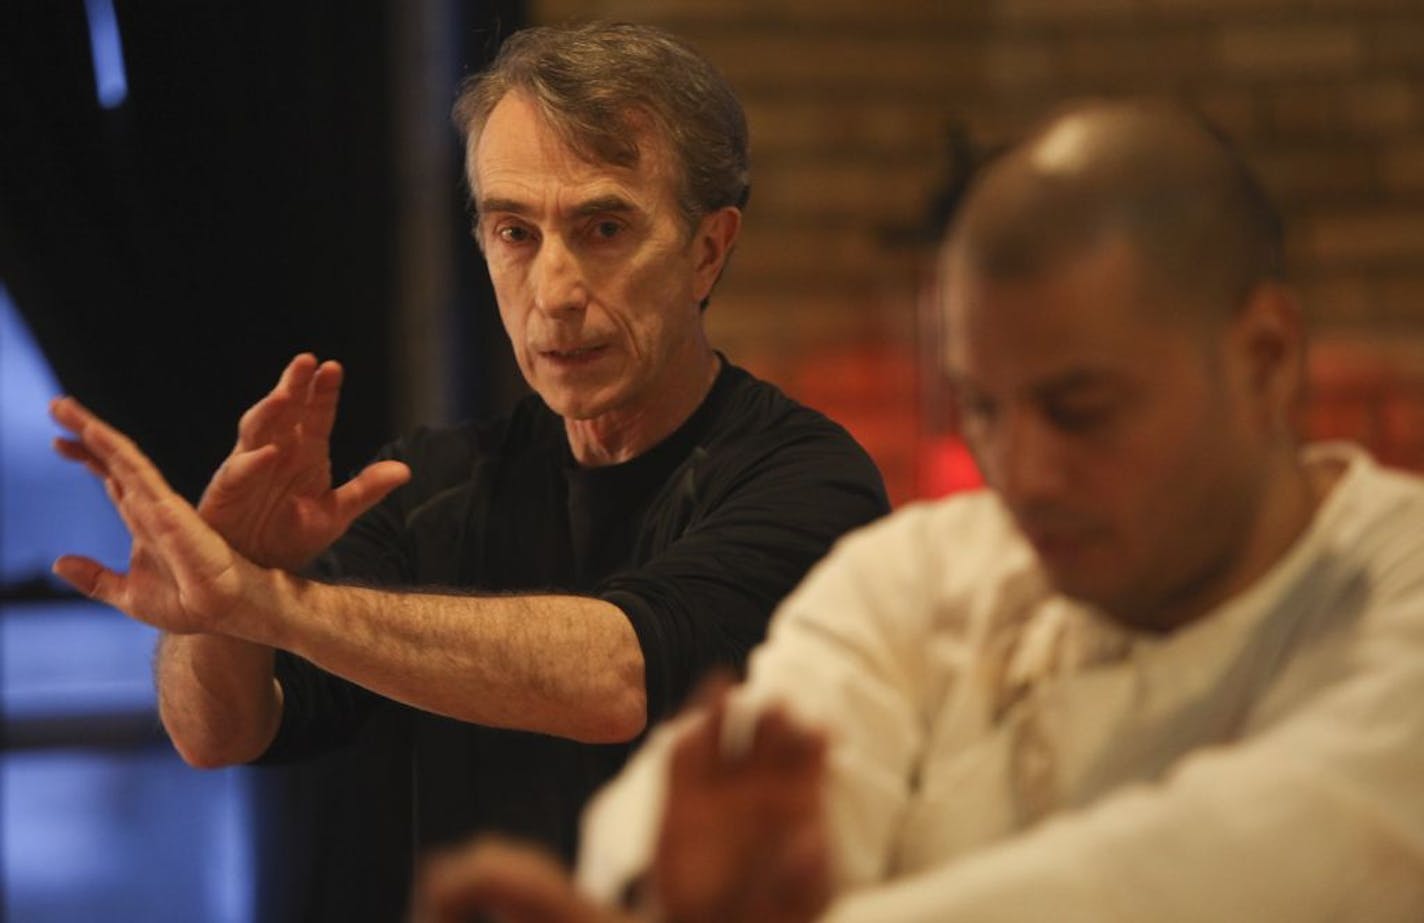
(696, 541)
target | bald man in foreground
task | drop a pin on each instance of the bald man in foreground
(1170, 667)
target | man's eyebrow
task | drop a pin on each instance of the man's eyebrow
(598, 205)
(1053, 386)
(602, 205)
(491, 205)
(1079, 380)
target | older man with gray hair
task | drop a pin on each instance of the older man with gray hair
(517, 599)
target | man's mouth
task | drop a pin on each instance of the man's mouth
(575, 355)
(571, 353)
(1058, 538)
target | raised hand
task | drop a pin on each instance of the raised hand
(272, 498)
(743, 836)
(507, 881)
(182, 576)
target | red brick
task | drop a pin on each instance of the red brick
(1366, 238)
(741, 14)
(1382, 107)
(1233, 111)
(1306, 175)
(792, 128)
(786, 61)
(1402, 169)
(1401, 302)
(1293, 51)
(1293, 111)
(1338, 302)
(846, 193)
(1354, 109)
(1137, 61)
(1399, 44)
(1402, 426)
(1068, 12)
(806, 318)
(1220, 10)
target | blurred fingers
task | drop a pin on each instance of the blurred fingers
(121, 459)
(783, 741)
(511, 882)
(74, 451)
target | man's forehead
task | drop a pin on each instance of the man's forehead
(520, 147)
(1051, 330)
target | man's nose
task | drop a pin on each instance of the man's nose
(1025, 460)
(558, 281)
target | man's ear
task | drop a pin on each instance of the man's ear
(712, 244)
(1270, 337)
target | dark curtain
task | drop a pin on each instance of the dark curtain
(172, 253)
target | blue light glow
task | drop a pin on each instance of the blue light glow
(97, 829)
(109, 79)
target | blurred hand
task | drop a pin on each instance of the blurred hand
(496, 879)
(743, 835)
(742, 841)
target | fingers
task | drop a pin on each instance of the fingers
(322, 398)
(515, 883)
(240, 467)
(713, 688)
(75, 451)
(280, 410)
(240, 472)
(734, 737)
(697, 754)
(121, 460)
(303, 402)
(780, 741)
(368, 488)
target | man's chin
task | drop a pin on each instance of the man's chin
(1081, 584)
(581, 405)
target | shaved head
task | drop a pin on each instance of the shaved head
(1125, 360)
(1150, 175)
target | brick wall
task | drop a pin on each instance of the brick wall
(851, 104)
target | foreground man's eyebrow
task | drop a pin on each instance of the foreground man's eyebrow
(595, 206)
(602, 205)
(513, 206)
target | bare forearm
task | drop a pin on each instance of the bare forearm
(563, 665)
(217, 697)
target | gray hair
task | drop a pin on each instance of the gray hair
(595, 84)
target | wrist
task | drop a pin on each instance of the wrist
(264, 613)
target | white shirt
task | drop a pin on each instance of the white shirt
(1002, 753)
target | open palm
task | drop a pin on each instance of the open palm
(273, 497)
(182, 576)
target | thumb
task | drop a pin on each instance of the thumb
(89, 577)
(369, 487)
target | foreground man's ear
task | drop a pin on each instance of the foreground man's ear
(1269, 335)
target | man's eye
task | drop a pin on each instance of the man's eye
(974, 409)
(513, 234)
(607, 230)
(1078, 418)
